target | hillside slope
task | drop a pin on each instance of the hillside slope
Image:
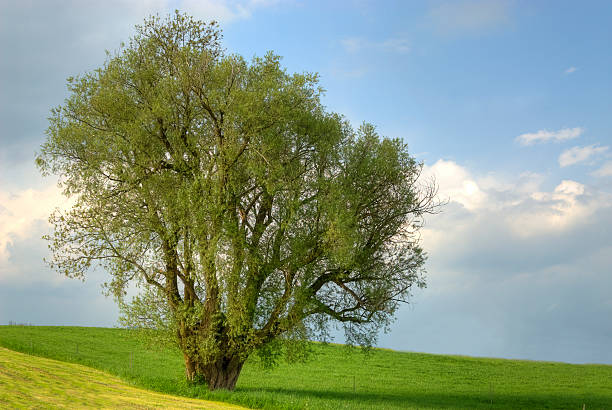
(334, 377)
(30, 381)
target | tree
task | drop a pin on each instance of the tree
(246, 213)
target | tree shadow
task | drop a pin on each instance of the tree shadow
(362, 399)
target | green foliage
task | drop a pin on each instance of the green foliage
(246, 212)
(384, 379)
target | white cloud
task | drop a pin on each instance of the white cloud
(575, 155)
(501, 203)
(545, 136)
(569, 188)
(523, 264)
(545, 213)
(455, 184)
(399, 45)
(20, 213)
(565, 207)
(452, 17)
(571, 70)
(605, 170)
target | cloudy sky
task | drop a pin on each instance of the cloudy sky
(507, 103)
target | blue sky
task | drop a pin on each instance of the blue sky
(507, 103)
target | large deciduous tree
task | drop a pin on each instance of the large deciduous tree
(244, 210)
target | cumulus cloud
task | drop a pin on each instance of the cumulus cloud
(31, 292)
(21, 212)
(545, 136)
(507, 201)
(512, 219)
(576, 155)
(567, 206)
(452, 17)
(456, 184)
(520, 263)
(568, 187)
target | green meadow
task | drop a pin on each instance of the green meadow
(335, 377)
(36, 382)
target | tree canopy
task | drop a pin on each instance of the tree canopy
(244, 211)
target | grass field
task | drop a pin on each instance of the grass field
(335, 378)
(29, 381)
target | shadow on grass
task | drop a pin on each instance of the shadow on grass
(443, 400)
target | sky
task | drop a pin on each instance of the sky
(508, 104)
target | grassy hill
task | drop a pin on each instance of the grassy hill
(335, 377)
(29, 381)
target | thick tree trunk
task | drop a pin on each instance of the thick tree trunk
(222, 373)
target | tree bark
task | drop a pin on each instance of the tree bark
(190, 368)
(222, 373)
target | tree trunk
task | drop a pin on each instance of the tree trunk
(190, 368)
(222, 373)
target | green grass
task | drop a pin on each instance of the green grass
(383, 380)
(35, 382)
